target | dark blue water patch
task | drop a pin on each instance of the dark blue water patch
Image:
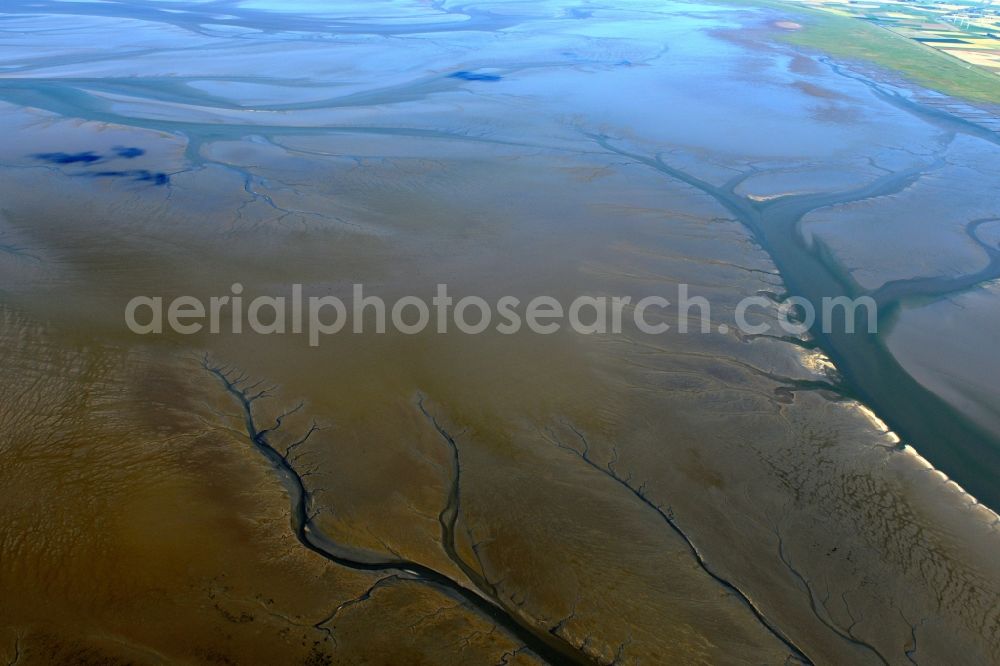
(129, 152)
(474, 76)
(87, 157)
(157, 178)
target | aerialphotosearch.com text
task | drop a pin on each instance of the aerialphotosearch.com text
(321, 316)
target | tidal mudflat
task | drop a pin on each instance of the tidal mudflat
(714, 498)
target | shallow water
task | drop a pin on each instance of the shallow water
(700, 498)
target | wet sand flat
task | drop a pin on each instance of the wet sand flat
(618, 498)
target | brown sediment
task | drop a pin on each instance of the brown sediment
(482, 597)
(712, 499)
(820, 92)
